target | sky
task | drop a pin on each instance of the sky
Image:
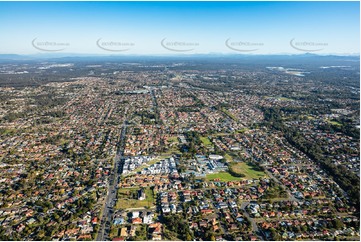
(162, 28)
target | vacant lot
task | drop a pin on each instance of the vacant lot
(248, 170)
(222, 176)
(173, 139)
(228, 157)
(333, 122)
(128, 198)
(242, 130)
(206, 141)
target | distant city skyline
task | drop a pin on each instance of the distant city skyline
(169, 28)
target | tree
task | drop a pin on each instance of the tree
(189, 237)
(337, 223)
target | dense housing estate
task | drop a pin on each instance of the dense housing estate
(179, 150)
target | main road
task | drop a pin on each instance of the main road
(103, 233)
